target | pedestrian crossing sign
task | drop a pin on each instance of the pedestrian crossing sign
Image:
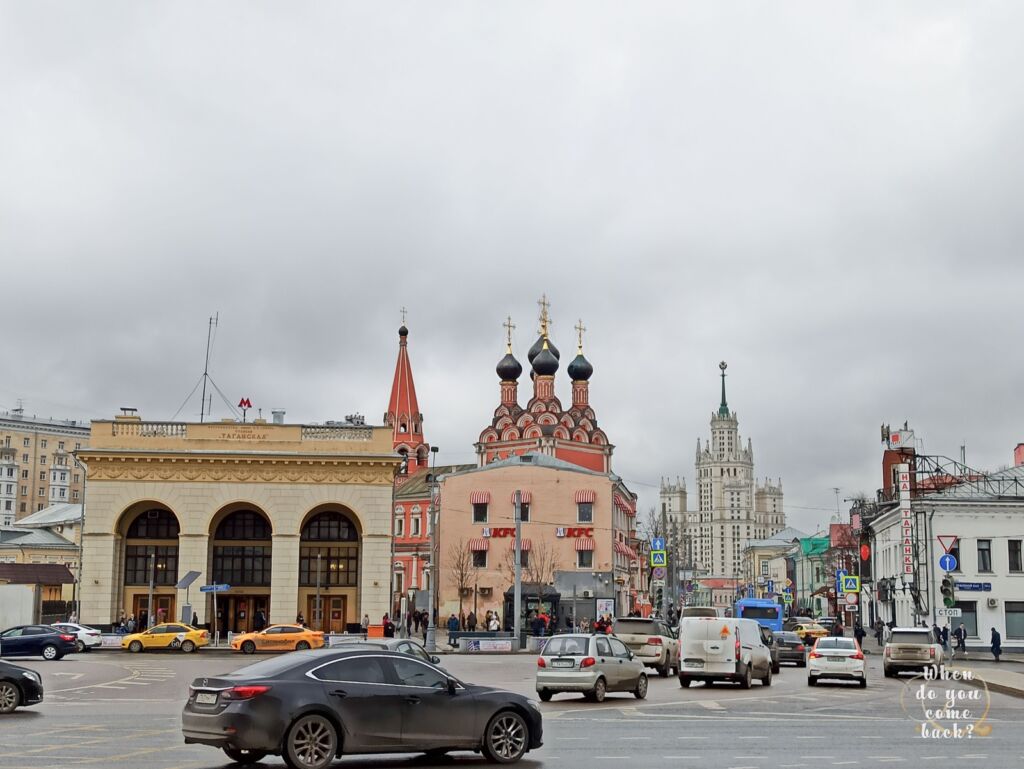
(659, 558)
(851, 583)
(787, 598)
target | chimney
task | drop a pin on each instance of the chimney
(278, 416)
(1018, 455)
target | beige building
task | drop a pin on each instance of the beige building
(272, 510)
(36, 464)
(577, 531)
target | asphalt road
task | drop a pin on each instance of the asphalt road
(119, 710)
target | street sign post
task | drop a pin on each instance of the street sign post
(659, 558)
(657, 543)
(851, 583)
(787, 598)
(948, 541)
(659, 572)
(770, 586)
(949, 612)
(215, 589)
(851, 599)
(840, 575)
(947, 562)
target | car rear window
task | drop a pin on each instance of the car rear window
(836, 643)
(636, 626)
(788, 636)
(909, 637)
(567, 646)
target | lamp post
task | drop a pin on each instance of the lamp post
(431, 641)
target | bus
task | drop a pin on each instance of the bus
(765, 611)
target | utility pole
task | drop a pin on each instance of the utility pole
(668, 563)
(517, 599)
(431, 639)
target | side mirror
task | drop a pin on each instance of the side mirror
(435, 659)
(631, 655)
(451, 686)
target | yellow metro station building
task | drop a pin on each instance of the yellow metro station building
(261, 507)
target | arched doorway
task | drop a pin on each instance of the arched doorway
(150, 557)
(329, 571)
(241, 558)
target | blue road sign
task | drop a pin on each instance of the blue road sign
(947, 562)
(840, 573)
(658, 558)
(657, 543)
(214, 588)
(787, 589)
(770, 586)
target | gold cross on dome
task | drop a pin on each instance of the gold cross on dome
(403, 316)
(580, 328)
(509, 328)
(545, 321)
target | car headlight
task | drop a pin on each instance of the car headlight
(32, 676)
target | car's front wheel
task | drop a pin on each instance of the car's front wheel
(51, 652)
(312, 743)
(640, 692)
(10, 697)
(685, 682)
(79, 646)
(245, 756)
(507, 738)
(135, 647)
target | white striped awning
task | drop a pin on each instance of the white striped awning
(585, 543)
(525, 497)
(524, 545)
(621, 549)
(586, 495)
(479, 497)
(623, 505)
(479, 544)
(632, 554)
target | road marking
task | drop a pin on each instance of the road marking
(693, 737)
(843, 763)
(680, 758)
(710, 705)
(809, 737)
(792, 765)
(104, 686)
(888, 760)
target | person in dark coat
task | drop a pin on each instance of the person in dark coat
(471, 622)
(859, 632)
(997, 644)
(261, 621)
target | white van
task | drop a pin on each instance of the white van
(717, 649)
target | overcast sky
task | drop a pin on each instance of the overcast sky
(825, 195)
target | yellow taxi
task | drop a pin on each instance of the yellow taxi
(167, 635)
(278, 638)
(810, 631)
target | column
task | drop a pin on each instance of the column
(284, 579)
(194, 555)
(374, 576)
(100, 587)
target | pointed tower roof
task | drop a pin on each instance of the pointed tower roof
(723, 409)
(403, 415)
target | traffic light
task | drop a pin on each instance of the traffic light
(948, 590)
(659, 596)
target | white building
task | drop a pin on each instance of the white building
(987, 517)
(8, 485)
(732, 510)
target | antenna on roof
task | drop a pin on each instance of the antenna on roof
(206, 407)
(206, 366)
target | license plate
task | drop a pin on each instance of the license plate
(206, 698)
(696, 664)
(563, 664)
(834, 659)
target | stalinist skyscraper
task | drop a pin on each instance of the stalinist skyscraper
(731, 508)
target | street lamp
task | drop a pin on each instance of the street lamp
(431, 642)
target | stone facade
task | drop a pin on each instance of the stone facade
(281, 476)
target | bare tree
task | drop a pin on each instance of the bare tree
(539, 567)
(460, 564)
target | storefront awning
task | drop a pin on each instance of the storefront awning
(586, 495)
(524, 545)
(480, 497)
(585, 543)
(479, 544)
(524, 496)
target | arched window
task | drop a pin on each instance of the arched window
(243, 524)
(329, 526)
(333, 537)
(143, 561)
(242, 564)
(154, 524)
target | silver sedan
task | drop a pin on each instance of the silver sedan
(592, 665)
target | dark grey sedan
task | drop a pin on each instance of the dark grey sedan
(312, 707)
(791, 648)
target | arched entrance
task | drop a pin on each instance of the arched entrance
(240, 550)
(149, 557)
(329, 570)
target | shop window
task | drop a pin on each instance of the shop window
(479, 512)
(585, 512)
(479, 559)
(584, 559)
(1014, 619)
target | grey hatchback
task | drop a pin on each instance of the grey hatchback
(592, 665)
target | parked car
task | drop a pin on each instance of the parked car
(826, 622)
(400, 645)
(278, 638)
(590, 664)
(652, 641)
(792, 622)
(723, 650)
(791, 648)
(166, 636)
(310, 707)
(43, 641)
(19, 687)
(840, 658)
(768, 638)
(911, 648)
(699, 611)
(85, 637)
(810, 631)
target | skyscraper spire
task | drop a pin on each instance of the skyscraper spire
(403, 415)
(723, 409)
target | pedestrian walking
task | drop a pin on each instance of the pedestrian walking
(944, 640)
(838, 630)
(960, 635)
(260, 621)
(471, 622)
(937, 632)
(997, 644)
(73, 619)
(131, 624)
(878, 631)
(859, 632)
(195, 619)
(453, 627)
(300, 619)
(364, 625)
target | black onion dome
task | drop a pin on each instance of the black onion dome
(580, 369)
(403, 331)
(538, 346)
(545, 364)
(509, 368)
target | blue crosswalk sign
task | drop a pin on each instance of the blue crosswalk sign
(658, 558)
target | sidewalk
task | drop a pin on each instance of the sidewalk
(993, 676)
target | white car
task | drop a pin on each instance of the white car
(725, 649)
(85, 637)
(834, 657)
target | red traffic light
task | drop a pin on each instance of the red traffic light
(865, 552)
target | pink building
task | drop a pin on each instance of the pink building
(577, 529)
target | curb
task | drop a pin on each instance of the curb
(981, 683)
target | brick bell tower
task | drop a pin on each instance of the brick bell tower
(403, 415)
